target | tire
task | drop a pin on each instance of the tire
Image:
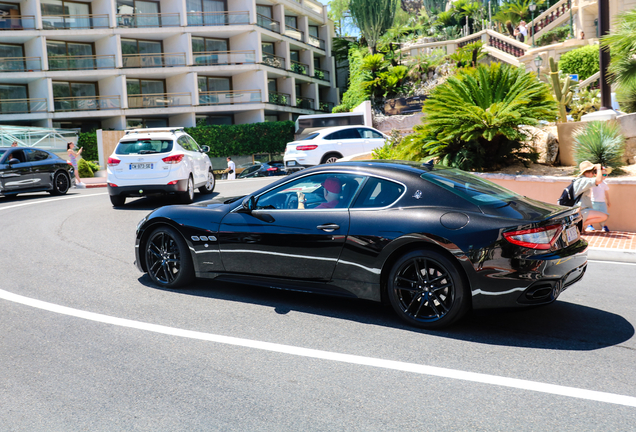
(208, 187)
(330, 158)
(61, 184)
(117, 200)
(427, 290)
(188, 196)
(168, 259)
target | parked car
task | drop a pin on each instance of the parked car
(263, 169)
(433, 242)
(330, 144)
(30, 169)
(158, 160)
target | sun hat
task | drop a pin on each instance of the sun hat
(585, 166)
(332, 185)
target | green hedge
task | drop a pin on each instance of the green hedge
(88, 140)
(555, 35)
(244, 139)
(582, 61)
(356, 94)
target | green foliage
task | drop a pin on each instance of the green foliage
(244, 139)
(356, 94)
(84, 169)
(561, 89)
(468, 55)
(621, 43)
(582, 61)
(600, 142)
(373, 18)
(88, 140)
(389, 151)
(586, 101)
(473, 120)
(555, 35)
(626, 97)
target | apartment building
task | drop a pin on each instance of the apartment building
(115, 64)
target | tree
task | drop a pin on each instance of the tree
(623, 50)
(373, 18)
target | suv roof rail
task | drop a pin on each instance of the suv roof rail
(160, 129)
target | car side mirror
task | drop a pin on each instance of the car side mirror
(249, 203)
(205, 149)
(14, 161)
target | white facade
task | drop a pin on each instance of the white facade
(116, 64)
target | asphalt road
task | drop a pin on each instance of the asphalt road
(89, 344)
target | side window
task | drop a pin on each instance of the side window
(378, 193)
(350, 134)
(333, 136)
(370, 134)
(193, 144)
(37, 155)
(17, 154)
(184, 142)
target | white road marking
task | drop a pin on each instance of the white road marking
(48, 200)
(572, 392)
(611, 262)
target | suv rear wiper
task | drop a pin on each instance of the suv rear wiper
(147, 151)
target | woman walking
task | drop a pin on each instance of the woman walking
(73, 157)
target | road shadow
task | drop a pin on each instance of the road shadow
(153, 202)
(558, 326)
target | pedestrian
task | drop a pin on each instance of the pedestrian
(582, 35)
(73, 157)
(231, 169)
(590, 175)
(14, 144)
(523, 31)
(600, 198)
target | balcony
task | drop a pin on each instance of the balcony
(277, 98)
(321, 74)
(299, 68)
(214, 58)
(267, 23)
(86, 103)
(20, 64)
(159, 100)
(229, 97)
(218, 18)
(21, 106)
(304, 103)
(273, 61)
(315, 42)
(294, 33)
(143, 20)
(84, 62)
(153, 60)
(68, 22)
(17, 22)
(326, 106)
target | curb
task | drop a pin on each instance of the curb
(95, 185)
(608, 254)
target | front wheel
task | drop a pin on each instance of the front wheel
(61, 184)
(168, 259)
(208, 187)
(188, 196)
(426, 290)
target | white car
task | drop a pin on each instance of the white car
(158, 160)
(330, 144)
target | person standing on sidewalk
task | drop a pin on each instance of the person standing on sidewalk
(231, 169)
(73, 157)
(600, 197)
(591, 175)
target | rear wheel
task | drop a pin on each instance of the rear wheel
(61, 184)
(330, 158)
(188, 196)
(117, 200)
(208, 187)
(168, 259)
(426, 290)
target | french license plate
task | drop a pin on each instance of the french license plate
(136, 166)
(572, 233)
(291, 162)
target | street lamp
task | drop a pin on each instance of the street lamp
(538, 61)
(532, 8)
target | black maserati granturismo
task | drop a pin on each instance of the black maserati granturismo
(434, 242)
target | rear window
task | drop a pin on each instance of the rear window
(310, 137)
(143, 147)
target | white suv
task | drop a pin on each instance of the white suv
(158, 160)
(330, 144)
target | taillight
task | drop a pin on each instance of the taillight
(173, 159)
(272, 169)
(173, 182)
(535, 238)
(113, 162)
(307, 147)
(112, 185)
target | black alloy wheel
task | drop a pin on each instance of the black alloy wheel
(426, 290)
(117, 200)
(188, 196)
(61, 184)
(330, 158)
(208, 187)
(168, 259)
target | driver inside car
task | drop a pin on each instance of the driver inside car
(332, 188)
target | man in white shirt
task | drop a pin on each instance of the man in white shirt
(231, 169)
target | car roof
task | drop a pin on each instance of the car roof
(161, 133)
(337, 128)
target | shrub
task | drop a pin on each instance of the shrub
(626, 97)
(555, 35)
(582, 61)
(355, 95)
(88, 140)
(84, 169)
(389, 149)
(600, 142)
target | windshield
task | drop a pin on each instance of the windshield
(2, 152)
(143, 146)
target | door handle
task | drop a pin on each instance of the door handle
(328, 227)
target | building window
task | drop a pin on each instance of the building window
(149, 11)
(272, 85)
(201, 44)
(132, 123)
(61, 14)
(209, 84)
(69, 55)
(268, 48)
(143, 53)
(265, 11)
(291, 21)
(13, 98)
(294, 56)
(135, 46)
(215, 119)
(313, 31)
(6, 12)
(271, 118)
(12, 57)
(74, 96)
(144, 93)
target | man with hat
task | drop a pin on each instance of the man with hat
(332, 188)
(590, 176)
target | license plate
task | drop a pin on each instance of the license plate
(135, 166)
(291, 163)
(572, 233)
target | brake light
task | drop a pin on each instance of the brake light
(112, 185)
(174, 159)
(535, 238)
(272, 169)
(307, 147)
(173, 182)
(113, 162)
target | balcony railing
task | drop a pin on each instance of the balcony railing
(20, 106)
(142, 20)
(294, 33)
(229, 97)
(218, 18)
(17, 22)
(279, 98)
(211, 58)
(153, 60)
(318, 43)
(86, 103)
(66, 22)
(299, 68)
(273, 61)
(322, 74)
(304, 103)
(20, 64)
(326, 106)
(81, 62)
(267, 23)
(159, 100)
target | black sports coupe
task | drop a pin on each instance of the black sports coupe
(434, 242)
(27, 169)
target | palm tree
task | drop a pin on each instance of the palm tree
(621, 45)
